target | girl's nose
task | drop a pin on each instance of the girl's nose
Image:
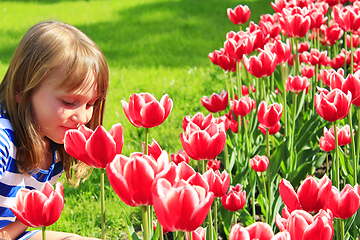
(82, 115)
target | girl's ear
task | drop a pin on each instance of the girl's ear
(17, 93)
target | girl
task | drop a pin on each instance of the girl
(57, 80)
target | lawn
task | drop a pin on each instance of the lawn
(153, 46)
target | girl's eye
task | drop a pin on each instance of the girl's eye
(90, 105)
(68, 103)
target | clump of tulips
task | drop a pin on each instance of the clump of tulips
(249, 167)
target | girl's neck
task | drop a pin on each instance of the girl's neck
(48, 155)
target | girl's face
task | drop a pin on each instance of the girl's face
(56, 110)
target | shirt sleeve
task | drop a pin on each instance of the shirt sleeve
(6, 146)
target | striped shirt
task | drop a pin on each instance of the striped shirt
(11, 180)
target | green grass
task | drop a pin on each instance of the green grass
(153, 46)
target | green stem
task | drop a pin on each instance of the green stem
(145, 220)
(161, 232)
(232, 85)
(342, 229)
(102, 200)
(238, 75)
(146, 141)
(228, 88)
(246, 138)
(345, 47)
(327, 164)
(357, 146)
(266, 199)
(43, 233)
(215, 217)
(253, 199)
(352, 145)
(210, 228)
(296, 58)
(190, 235)
(267, 143)
(337, 162)
(239, 139)
(293, 163)
(352, 54)
(313, 87)
(285, 104)
(181, 235)
(263, 89)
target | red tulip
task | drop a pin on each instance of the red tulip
(235, 199)
(317, 18)
(345, 203)
(198, 119)
(348, 18)
(326, 75)
(218, 183)
(303, 47)
(243, 106)
(260, 38)
(269, 115)
(233, 123)
(356, 41)
(260, 231)
(327, 142)
(155, 222)
(315, 57)
(39, 208)
(302, 225)
(216, 102)
(174, 173)
(297, 84)
(310, 196)
(95, 148)
(295, 25)
(132, 177)
(222, 119)
(308, 71)
(332, 33)
(333, 106)
(154, 149)
(273, 130)
(245, 89)
(198, 234)
(239, 44)
(143, 110)
(219, 57)
(239, 15)
(255, 231)
(179, 157)
(262, 65)
(213, 164)
(181, 207)
(259, 163)
(271, 28)
(351, 84)
(203, 144)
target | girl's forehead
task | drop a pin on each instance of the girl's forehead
(77, 81)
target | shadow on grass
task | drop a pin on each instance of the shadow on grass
(169, 33)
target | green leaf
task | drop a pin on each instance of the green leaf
(280, 154)
(300, 104)
(245, 217)
(345, 163)
(306, 131)
(130, 229)
(157, 232)
(300, 173)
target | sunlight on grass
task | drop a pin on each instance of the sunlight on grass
(154, 46)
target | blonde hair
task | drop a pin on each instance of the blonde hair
(45, 47)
